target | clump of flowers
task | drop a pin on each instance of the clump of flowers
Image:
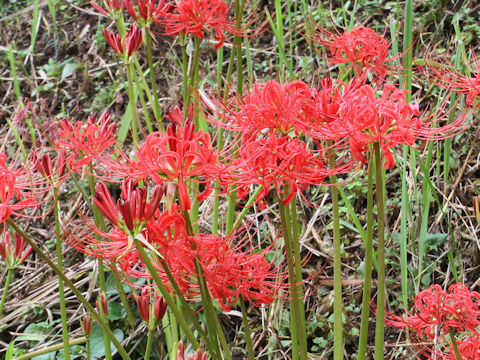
(83, 143)
(125, 47)
(229, 270)
(436, 314)
(366, 115)
(198, 17)
(361, 48)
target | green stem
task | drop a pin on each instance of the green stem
(13, 71)
(140, 90)
(294, 307)
(185, 72)
(133, 103)
(380, 322)
(89, 354)
(367, 281)
(61, 292)
(193, 78)
(8, 281)
(101, 270)
(56, 347)
(337, 279)
(156, 105)
(454, 343)
(298, 275)
(246, 327)
(148, 350)
(72, 287)
(245, 209)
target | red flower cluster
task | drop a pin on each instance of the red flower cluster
(283, 162)
(364, 117)
(198, 17)
(125, 48)
(85, 142)
(268, 107)
(229, 271)
(146, 12)
(21, 186)
(362, 48)
(436, 312)
(180, 155)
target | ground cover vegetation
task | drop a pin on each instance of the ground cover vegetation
(198, 179)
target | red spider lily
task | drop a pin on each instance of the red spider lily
(132, 211)
(16, 254)
(144, 306)
(84, 142)
(436, 312)
(179, 155)
(20, 187)
(125, 48)
(283, 162)
(198, 17)
(267, 107)
(112, 7)
(229, 272)
(445, 75)
(364, 118)
(198, 355)
(233, 272)
(129, 217)
(468, 348)
(146, 12)
(360, 47)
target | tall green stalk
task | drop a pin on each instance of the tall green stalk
(133, 105)
(61, 292)
(8, 281)
(367, 279)
(380, 322)
(407, 84)
(294, 300)
(246, 327)
(454, 343)
(298, 272)
(337, 279)
(151, 331)
(155, 105)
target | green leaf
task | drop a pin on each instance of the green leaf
(36, 331)
(115, 311)
(97, 345)
(69, 69)
(434, 240)
(9, 353)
